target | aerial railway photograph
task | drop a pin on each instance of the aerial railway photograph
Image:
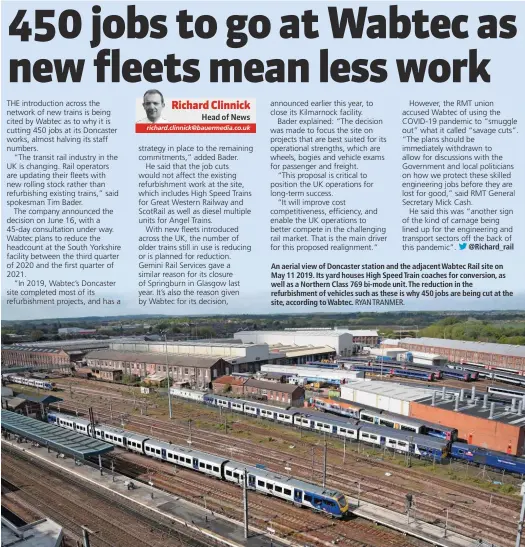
(362, 429)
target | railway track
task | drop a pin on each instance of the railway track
(72, 505)
(431, 508)
(297, 524)
(415, 481)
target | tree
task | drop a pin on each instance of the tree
(36, 335)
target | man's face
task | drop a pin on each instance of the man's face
(153, 105)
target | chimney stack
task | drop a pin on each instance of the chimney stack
(485, 400)
(491, 415)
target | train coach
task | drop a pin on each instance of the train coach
(491, 458)
(377, 416)
(345, 427)
(30, 382)
(298, 492)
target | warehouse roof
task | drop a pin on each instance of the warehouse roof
(359, 332)
(62, 440)
(33, 349)
(502, 411)
(230, 380)
(273, 386)
(157, 358)
(389, 389)
(299, 351)
(292, 332)
(483, 347)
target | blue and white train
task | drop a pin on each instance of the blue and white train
(490, 458)
(298, 492)
(31, 382)
(401, 441)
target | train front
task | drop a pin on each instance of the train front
(343, 504)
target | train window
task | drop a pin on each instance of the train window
(269, 486)
(342, 430)
(366, 418)
(287, 492)
(387, 423)
(236, 475)
(175, 457)
(279, 489)
(401, 443)
(308, 498)
(391, 441)
(201, 465)
(208, 466)
(364, 435)
(330, 503)
(260, 483)
(158, 450)
(188, 460)
(216, 469)
(228, 473)
(408, 428)
(374, 437)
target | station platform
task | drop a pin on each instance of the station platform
(435, 535)
(221, 529)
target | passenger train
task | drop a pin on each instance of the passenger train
(402, 428)
(382, 417)
(298, 492)
(31, 382)
(490, 458)
(401, 441)
(387, 369)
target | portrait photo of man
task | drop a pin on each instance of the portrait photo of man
(153, 103)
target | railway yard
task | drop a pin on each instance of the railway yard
(443, 495)
(30, 490)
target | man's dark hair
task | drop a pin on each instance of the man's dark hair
(151, 92)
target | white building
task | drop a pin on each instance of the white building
(314, 372)
(341, 342)
(394, 353)
(384, 395)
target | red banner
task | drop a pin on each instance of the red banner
(195, 128)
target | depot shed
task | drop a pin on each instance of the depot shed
(384, 395)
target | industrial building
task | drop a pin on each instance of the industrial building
(426, 359)
(298, 355)
(285, 394)
(277, 392)
(232, 385)
(76, 330)
(197, 371)
(34, 357)
(241, 357)
(340, 341)
(494, 426)
(504, 356)
(384, 395)
(314, 373)
(391, 353)
(364, 337)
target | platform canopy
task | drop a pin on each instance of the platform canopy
(57, 438)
